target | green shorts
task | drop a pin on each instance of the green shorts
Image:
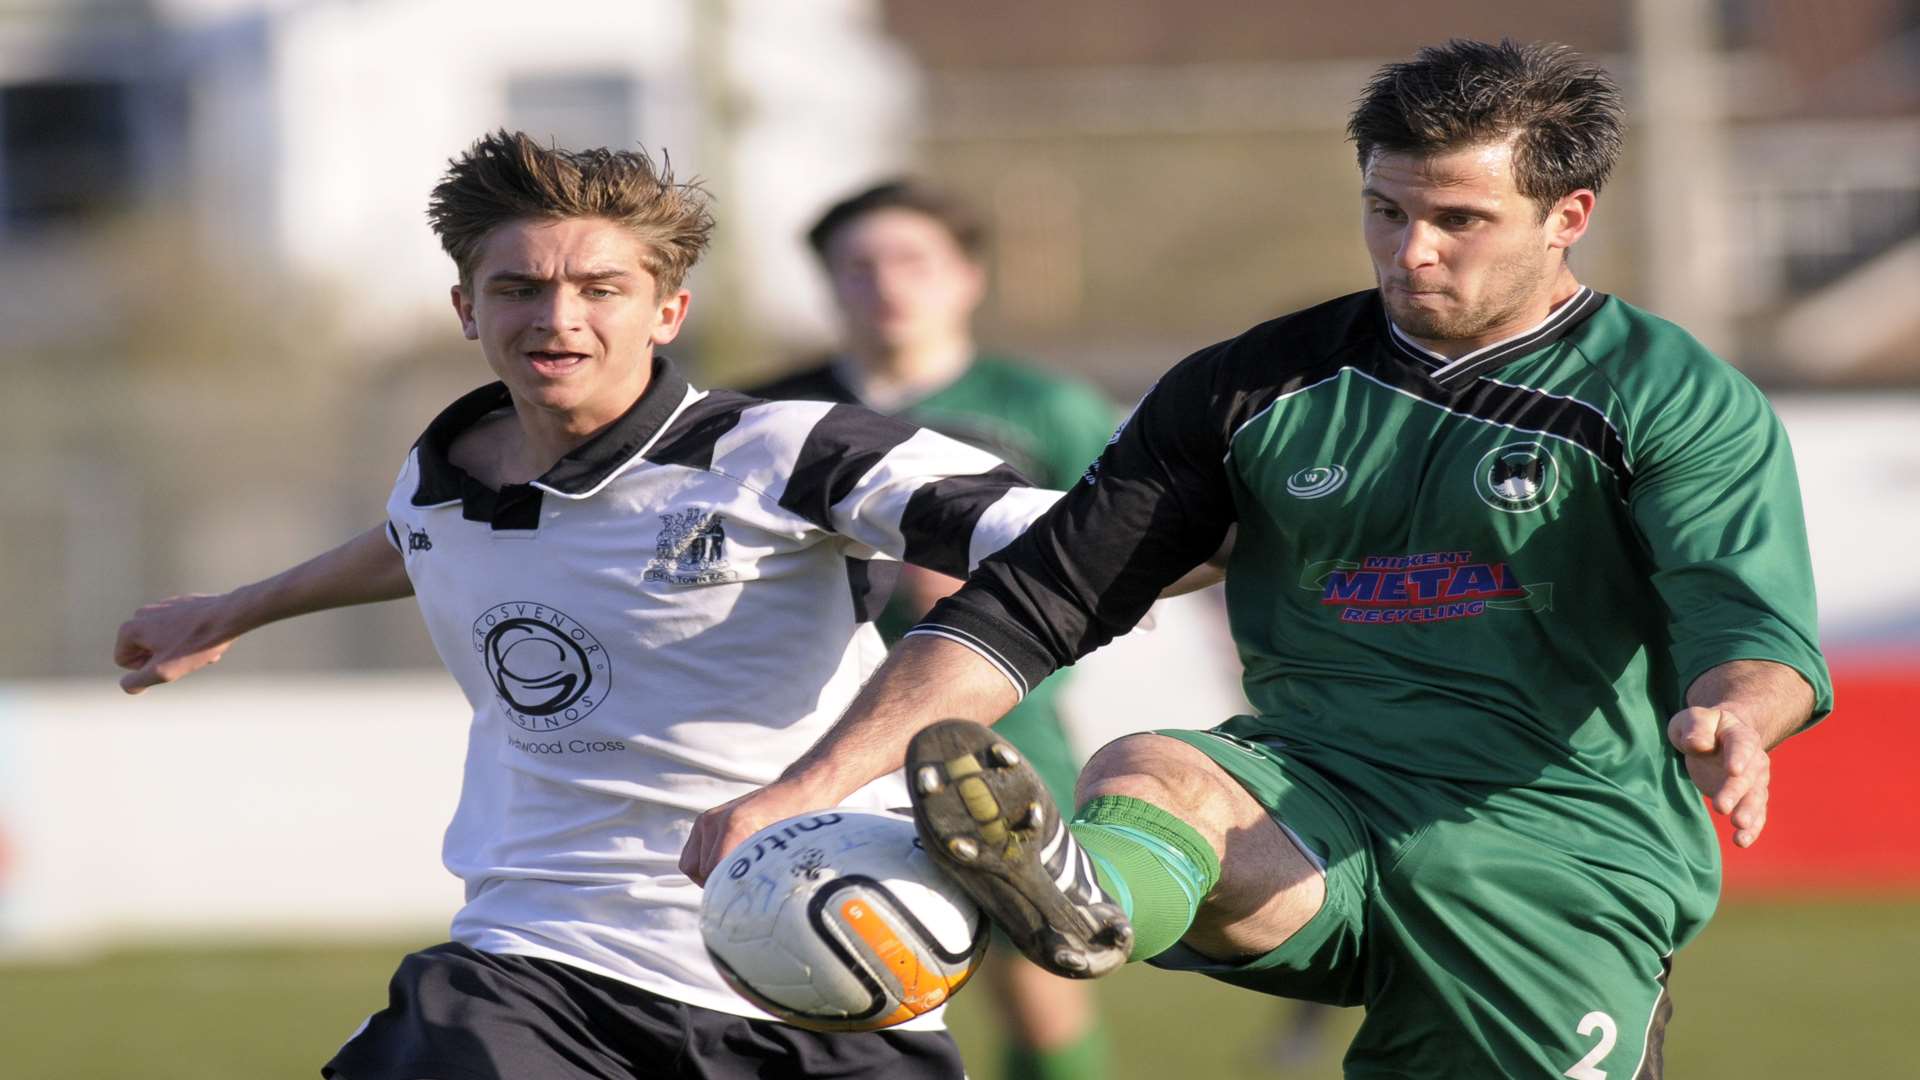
(1477, 951)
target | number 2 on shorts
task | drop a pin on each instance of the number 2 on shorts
(1588, 1068)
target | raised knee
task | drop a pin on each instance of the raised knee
(1143, 766)
(1173, 776)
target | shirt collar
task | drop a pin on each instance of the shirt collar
(584, 470)
(1570, 313)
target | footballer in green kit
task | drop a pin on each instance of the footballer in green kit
(903, 259)
(1517, 572)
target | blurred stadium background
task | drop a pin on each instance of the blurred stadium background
(222, 321)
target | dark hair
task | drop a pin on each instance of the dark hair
(1562, 113)
(507, 176)
(959, 219)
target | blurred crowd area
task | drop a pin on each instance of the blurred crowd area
(223, 319)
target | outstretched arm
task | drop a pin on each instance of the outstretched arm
(181, 635)
(1735, 713)
(925, 679)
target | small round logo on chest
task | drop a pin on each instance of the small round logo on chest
(1317, 481)
(1517, 477)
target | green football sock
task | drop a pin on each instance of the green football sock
(1083, 1059)
(1152, 864)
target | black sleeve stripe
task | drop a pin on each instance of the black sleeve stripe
(843, 447)
(939, 519)
(691, 439)
(393, 535)
(978, 645)
(871, 582)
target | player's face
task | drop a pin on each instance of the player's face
(1461, 256)
(900, 278)
(567, 314)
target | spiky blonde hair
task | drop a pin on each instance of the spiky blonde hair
(507, 176)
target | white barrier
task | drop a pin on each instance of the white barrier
(226, 807)
(1179, 670)
(1859, 464)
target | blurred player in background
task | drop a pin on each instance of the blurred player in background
(1518, 572)
(653, 597)
(904, 260)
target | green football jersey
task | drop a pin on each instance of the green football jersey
(1048, 427)
(1490, 578)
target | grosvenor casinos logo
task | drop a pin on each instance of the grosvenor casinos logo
(547, 669)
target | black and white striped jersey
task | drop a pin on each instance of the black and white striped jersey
(658, 624)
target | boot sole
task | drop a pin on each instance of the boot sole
(983, 814)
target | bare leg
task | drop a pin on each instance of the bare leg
(1268, 887)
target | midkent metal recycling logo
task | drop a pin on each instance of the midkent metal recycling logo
(1433, 586)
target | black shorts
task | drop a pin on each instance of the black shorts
(456, 1013)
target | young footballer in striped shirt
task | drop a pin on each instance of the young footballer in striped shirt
(654, 598)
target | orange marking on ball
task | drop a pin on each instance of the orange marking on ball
(920, 990)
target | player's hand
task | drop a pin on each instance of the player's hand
(721, 829)
(1727, 760)
(171, 639)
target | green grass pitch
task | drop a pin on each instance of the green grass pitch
(1775, 989)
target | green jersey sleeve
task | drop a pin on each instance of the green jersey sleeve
(1715, 498)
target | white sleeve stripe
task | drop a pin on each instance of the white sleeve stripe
(1007, 518)
(761, 450)
(985, 651)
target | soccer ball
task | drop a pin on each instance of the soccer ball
(838, 921)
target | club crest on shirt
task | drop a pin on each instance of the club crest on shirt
(1517, 477)
(691, 549)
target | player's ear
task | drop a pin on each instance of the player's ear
(1568, 218)
(976, 271)
(672, 314)
(463, 307)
